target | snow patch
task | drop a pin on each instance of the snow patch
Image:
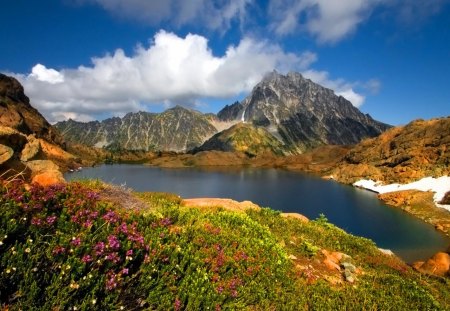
(440, 186)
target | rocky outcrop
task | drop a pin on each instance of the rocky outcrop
(177, 129)
(17, 113)
(302, 114)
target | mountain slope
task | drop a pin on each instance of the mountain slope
(245, 138)
(176, 129)
(302, 114)
(401, 154)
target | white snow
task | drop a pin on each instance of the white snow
(439, 186)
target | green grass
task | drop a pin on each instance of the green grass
(62, 248)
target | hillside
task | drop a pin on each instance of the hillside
(94, 246)
(244, 138)
(302, 114)
(401, 154)
(176, 129)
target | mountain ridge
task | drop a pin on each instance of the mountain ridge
(297, 112)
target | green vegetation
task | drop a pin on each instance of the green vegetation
(66, 247)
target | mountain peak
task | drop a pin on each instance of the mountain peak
(302, 114)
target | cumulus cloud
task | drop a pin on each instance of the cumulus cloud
(171, 69)
(216, 15)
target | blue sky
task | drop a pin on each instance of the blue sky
(91, 59)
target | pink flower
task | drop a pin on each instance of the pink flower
(110, 217)
(86, 258)
(58, 250)
(113, 242)
(76, 241)
(99, 248)
(51, 220)
(114, 257)
(129, 252)
(111, 282)
(36, 221)
(177, 304)
(125, 271)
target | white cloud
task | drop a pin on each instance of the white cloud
(328, 21)
(331, 21)
(215, 15)
(41, 73)
(172, 69)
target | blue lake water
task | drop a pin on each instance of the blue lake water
(354, 210)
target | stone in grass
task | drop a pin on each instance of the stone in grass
(349, 267)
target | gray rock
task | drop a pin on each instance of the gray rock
(348, 267)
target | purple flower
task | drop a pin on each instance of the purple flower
(58, 250)
(177, 304)
(123, 228)
(110, 217)
(76, 241)
(111, 282)
(125, 271)
(114, 257)
(36, 221)
(51, 220)
(99, 248)
(165, 222)
(86, 258)
(220, 289)
(87, 223)
(113, 242)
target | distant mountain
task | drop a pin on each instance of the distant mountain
(298, 113)
(246, 138)
(302, 114)
(176, 129)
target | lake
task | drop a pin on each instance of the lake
(355, 210)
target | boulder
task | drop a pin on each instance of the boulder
(296, 216)
(31, 149)
(5, 153)
(45, 172)
(438, 265)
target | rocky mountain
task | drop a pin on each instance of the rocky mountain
(401, 154)
(246, 138)
(176, 129)
(302, 114)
